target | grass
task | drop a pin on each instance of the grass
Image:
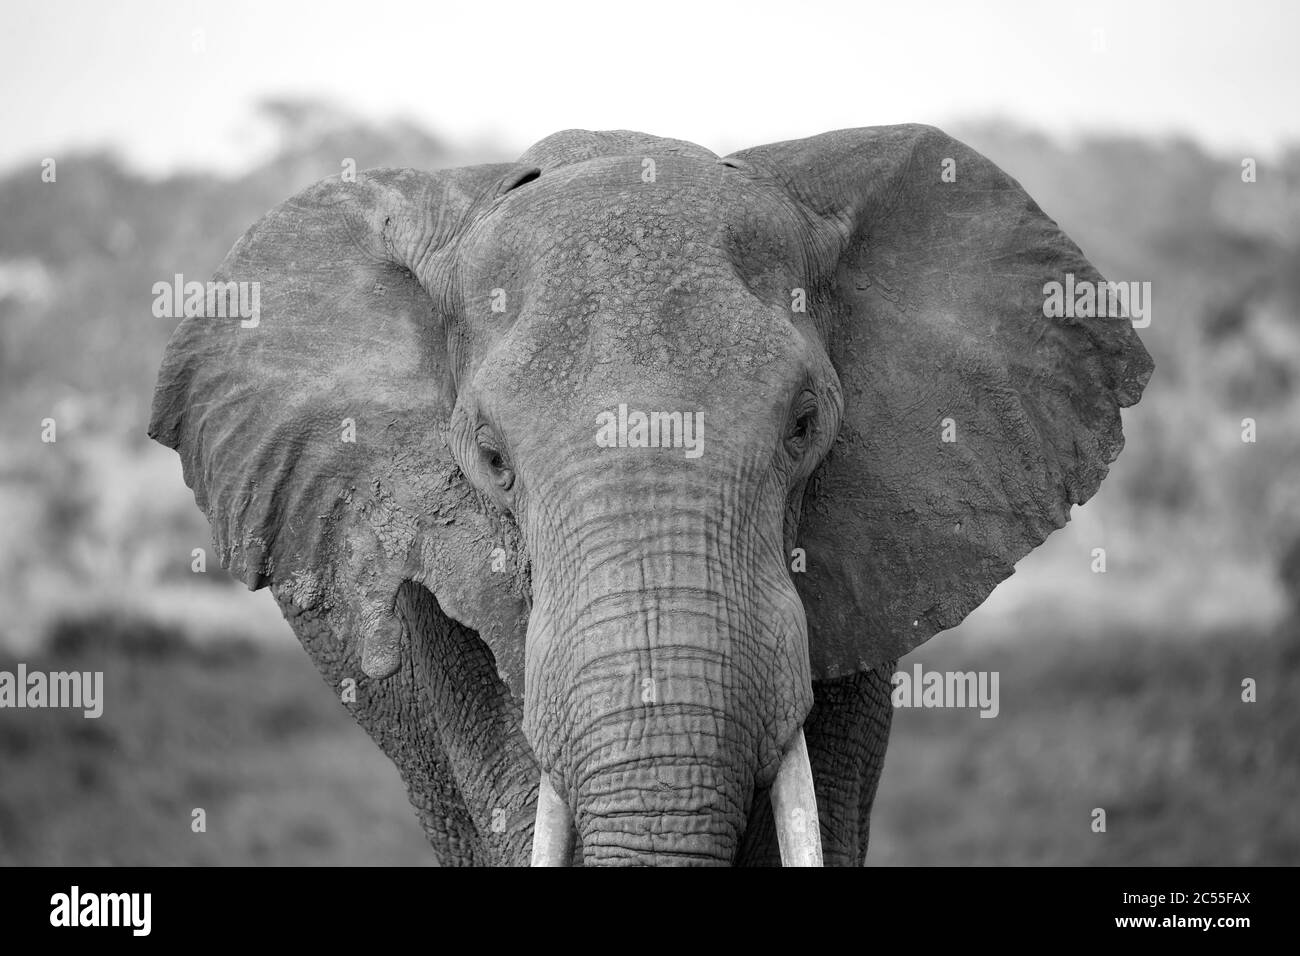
(1153, 730)
(253, 737)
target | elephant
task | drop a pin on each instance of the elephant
(615, 481)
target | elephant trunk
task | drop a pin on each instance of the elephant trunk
(658, 760)
(663, 830)
(622, 839)
(635, 814)
(667, 677)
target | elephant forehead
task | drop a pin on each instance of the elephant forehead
(632, 217)
(638, 264)
(615, 209)
(711, 338)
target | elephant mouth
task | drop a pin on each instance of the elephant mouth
(794, 810)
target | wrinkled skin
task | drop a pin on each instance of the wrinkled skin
(648, 565)
(516, 598)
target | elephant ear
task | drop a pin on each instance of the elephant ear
(973, 421)
(312, 429)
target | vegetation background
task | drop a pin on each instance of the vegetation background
(1119, 690)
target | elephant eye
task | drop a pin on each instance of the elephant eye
(494, 460)
(803, 425)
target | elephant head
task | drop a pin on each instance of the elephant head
(618, 478)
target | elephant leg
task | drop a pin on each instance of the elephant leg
(385, 710)
(449, 724)
(479, 725)
(847, 733)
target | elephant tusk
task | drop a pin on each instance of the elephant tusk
(553, 831)
(794, 806)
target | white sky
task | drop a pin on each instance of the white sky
(727, 75)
